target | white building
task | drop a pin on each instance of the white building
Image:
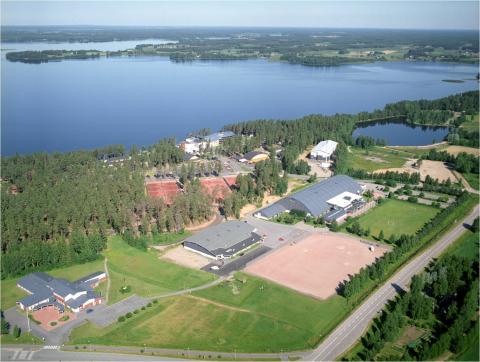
(324, 150)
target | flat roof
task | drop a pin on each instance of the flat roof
(222, 236)
(325, 148)
(313, 199)
(344, 199)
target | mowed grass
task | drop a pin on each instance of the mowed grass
(471, 124)
(375, 158)
(11, 293)
(467, 246)
(396, 217)
(473, 180)
(145, 273)
(251, 316)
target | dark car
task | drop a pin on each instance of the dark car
(89, 311)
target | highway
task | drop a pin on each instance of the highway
(352, 328)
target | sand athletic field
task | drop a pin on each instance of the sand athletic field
(317, 264)
(437, 170)
(186, 258)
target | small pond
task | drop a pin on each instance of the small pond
(399, 133)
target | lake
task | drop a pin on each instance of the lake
(398, 133)
(77, 104)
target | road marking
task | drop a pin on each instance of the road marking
(50, 347)
(30, 355)
(15, 354)
(23, 355)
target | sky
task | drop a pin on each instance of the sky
(327, 14)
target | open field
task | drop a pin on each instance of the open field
(181, 256)
(25, 338)
(145, 273)
(396, 217)
(10, 292)
(472, 123)
(317, 264)
(247, 314)
(455, 150)
(169, 237)
(375, 158)
(466, 246)
(437, 170)
(472, 179)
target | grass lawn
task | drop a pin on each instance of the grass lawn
(25, 338)
(145, 273)
(473, 179)
(466, 246)
(471, 124)
(376, 158)
(11, 293)
(169, 238)
(396, 217)
(255, 316)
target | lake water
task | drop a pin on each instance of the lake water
(76, 104)
(397, 133)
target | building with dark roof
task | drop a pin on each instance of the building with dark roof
(45, 290)
(223, 240)
(335, 193)
(254, 157)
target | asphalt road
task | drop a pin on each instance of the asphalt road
(351, 329)
(15, 353)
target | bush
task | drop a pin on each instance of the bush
(125, 289)
(128, 315)
(17, 331)
(53, 323)
(143, 308)
(121, 318)
(135, 311)
(149, 305)
(155, 301)
(64, 318)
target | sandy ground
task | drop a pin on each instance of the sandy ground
(50, 314)
(181, 256)
(317, 264)
(455, 150)
(436, 170)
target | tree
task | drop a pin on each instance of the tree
(381, 236)
(475, 225)
(5, 326)
(16, 331)
(334, 226)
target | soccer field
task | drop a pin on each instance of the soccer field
(397, 217)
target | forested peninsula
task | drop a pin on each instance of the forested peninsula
(310, 47)
(59, 208)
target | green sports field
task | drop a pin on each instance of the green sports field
(396, 217)
(247, 315)
(375, 158)
(145, 273)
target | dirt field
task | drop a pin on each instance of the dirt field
(436, 169)
(186, 258)
(215, 186)
(167, 190)
(455, 150)
(317, 264)
(50, 314)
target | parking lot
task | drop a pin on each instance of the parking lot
(106, 315)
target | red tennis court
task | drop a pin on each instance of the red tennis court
(167, 190)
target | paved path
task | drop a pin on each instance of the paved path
(351, 329)
(188, 290)
(108, 279)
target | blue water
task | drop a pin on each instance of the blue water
(402, 134)
(77, 104)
